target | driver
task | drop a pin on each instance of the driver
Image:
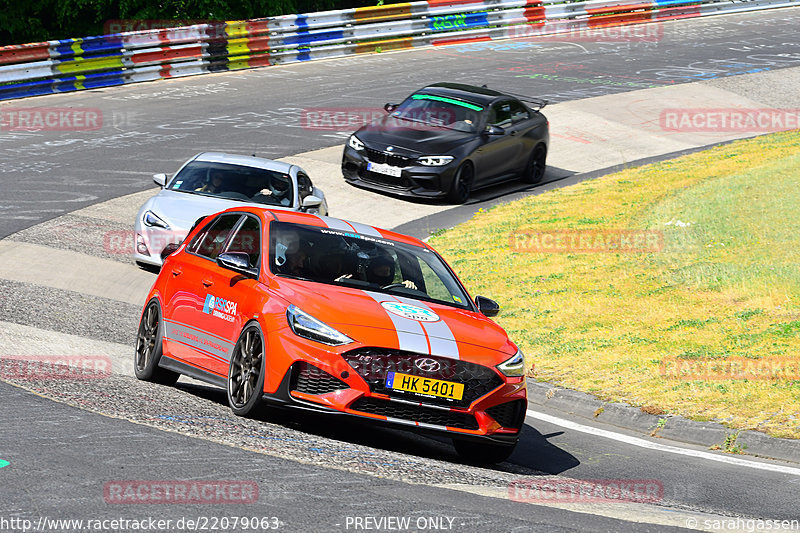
(280, 190)
(381, 272)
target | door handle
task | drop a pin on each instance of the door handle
(176, 271)
(207, 283)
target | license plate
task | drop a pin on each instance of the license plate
(424, 386)
(382, 168)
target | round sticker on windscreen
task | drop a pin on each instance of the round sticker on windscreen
(411, 311)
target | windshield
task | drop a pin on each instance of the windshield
(364, 262)
(235, 182)
(439, 111)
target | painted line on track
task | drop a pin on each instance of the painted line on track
(642, 443)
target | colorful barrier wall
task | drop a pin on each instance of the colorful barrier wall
(131, 57)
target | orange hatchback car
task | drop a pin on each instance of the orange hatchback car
(304, 310)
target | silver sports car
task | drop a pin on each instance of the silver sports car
(211, 182)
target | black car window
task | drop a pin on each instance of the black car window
(500, 114)
(208, 243)
(234, 182)
(518, 112)
(247, 239)
(304, 186)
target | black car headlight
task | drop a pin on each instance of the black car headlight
(513, 367)
(435, 160)
(308, 327)
(355, 144)
(150, 219)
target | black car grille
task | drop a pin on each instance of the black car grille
(383, 179)
(311, 380)
(415, 413)
(384, 157)
(373, 364)
(509, 414)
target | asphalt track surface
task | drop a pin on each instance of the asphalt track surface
(368, 472)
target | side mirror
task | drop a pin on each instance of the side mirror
(160, 180)
(237, 261)
(487, 306)
(495, 130)
(390, 107)
(311, 202)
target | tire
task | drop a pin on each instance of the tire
(534, 170)
(462, 184)
(483, 452)
(246, 372)
(149, 340)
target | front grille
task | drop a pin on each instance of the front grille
(509, 414)
(373, 364)
(384, 157)
(311, 380)
(383, 179)
(415, 413)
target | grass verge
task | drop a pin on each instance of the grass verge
(725, 285)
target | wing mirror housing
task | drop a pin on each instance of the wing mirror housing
(390, 107)
(495, 130)
(311, 202)
(160, 180)
(487, 306)
(239, 262)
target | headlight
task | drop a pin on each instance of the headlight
(308, 327)
(513, 367)
(355, 144)
(435, 160)
(151, 219)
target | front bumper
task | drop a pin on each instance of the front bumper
(148, 243)
(415, 180)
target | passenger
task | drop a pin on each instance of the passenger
(214, 184)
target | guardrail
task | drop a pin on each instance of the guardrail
(130, 57)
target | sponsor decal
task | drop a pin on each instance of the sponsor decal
(412, 312)
(220, 307)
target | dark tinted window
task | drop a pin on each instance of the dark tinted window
(209, 241)
(234, 182)
(304, 186)
(247, 239)
(518, 112)
(500, 115)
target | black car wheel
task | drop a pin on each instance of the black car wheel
(462, 184)
(149, 347)
(534, 171)
(246, 372)
(485, 453)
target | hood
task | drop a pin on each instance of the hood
(410, 136)
(181, 210)
(383, 320)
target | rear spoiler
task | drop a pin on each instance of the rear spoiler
(539, 103)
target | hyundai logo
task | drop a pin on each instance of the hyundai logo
(426, 364)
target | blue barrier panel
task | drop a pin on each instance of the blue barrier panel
(459, 21)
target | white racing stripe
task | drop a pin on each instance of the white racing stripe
(642, 443)
(441, 337)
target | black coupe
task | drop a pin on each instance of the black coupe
(447, 140)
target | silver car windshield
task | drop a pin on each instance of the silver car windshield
(235, 182)
(360, 261)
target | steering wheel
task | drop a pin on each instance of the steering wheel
(393, 286)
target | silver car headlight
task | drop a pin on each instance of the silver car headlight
(435, 160)
(150, 219)
(308, 327)
(355, 144)
(513, 367)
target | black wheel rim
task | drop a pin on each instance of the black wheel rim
(537, 164)
(463, 183)
(147, 337)
(245, 368)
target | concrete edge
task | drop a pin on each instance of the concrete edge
(667, 426)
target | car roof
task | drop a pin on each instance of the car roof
(329, 222)
(244, 160)
(461, 91)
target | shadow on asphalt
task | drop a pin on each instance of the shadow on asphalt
(534, 455)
